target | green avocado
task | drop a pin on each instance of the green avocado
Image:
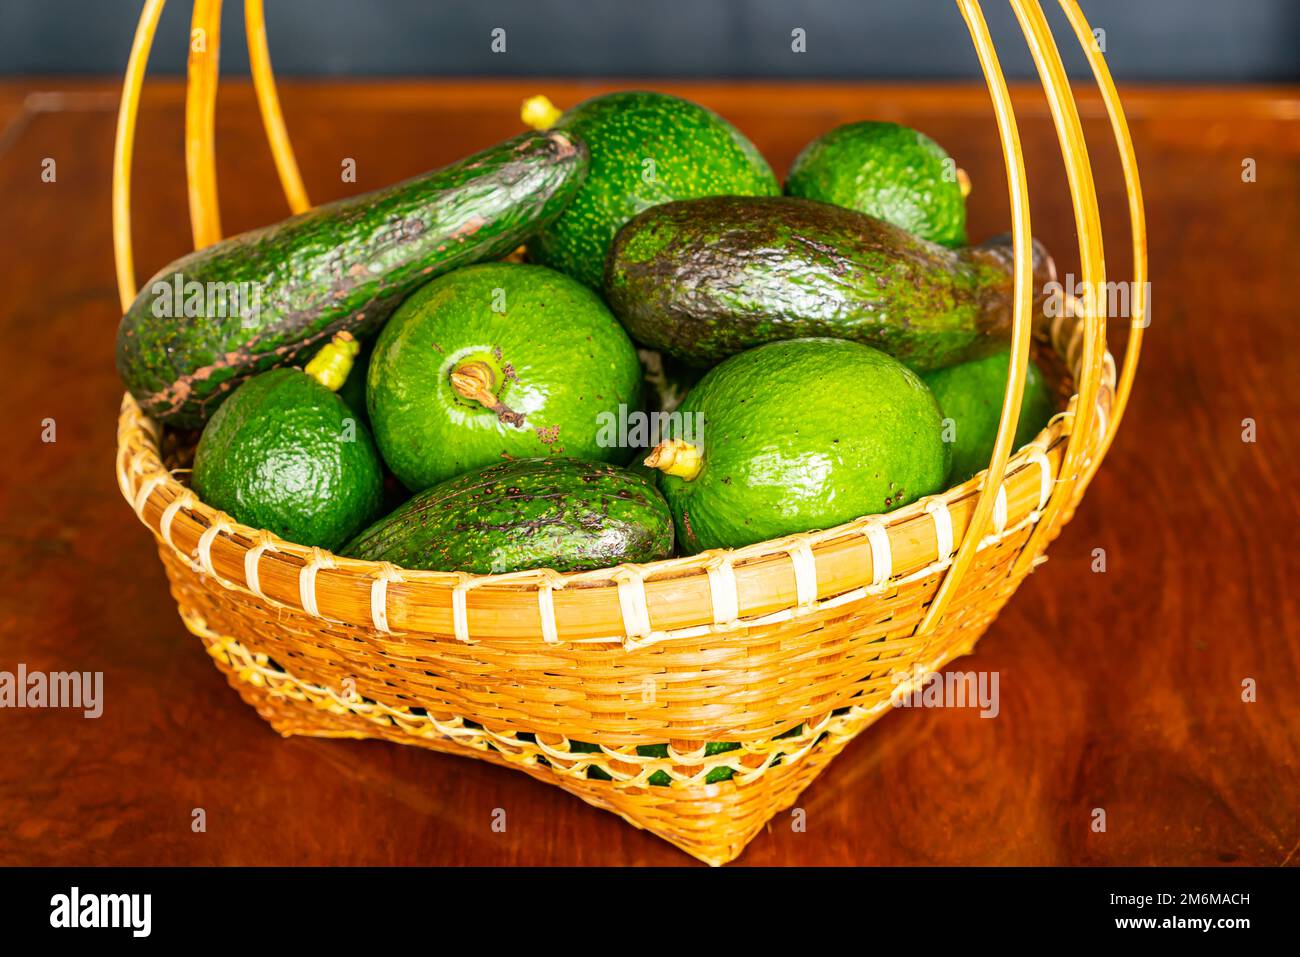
(646, 149)
(797, 435)
(498, 361)
(706, 278)
(971, 396)
(887, 171)
(286, 454)
(273, 296)
(558, 513)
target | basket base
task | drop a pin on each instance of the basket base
(712, 822)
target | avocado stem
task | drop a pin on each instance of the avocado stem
(477, 381)
(332, 364)
(539, 112)
(676, 457)
(963, 182)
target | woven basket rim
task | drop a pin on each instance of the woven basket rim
(331, 586)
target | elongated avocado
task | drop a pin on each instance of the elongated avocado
(704, 279)
(560, 513)
(272, 296)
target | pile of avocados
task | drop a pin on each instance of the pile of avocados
(688, 357)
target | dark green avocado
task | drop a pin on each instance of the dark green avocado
(560, 513)
(286, 454)
(888, 171)
(706, 278)
(646, 148)
(273, 296)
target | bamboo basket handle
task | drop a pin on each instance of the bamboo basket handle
(200, 113)
(124, 149)
(268, 101)
(1137, 221)
(1087, 219)
(1075, 470)
(200, 120)
(1021, 234)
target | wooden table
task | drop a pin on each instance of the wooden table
(1120, 690)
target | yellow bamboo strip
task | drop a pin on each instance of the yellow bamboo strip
(268, 101)
(200, 120)
(1022, 237)
(1087, 217)
(1137, 218)
(124, 149)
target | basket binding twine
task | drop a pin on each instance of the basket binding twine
(787, 648)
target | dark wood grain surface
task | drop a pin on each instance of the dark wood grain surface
(1120, 690)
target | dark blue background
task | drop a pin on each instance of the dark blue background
(1157, 40)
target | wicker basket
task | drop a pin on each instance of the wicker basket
(788, 648)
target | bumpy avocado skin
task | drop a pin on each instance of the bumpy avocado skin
(558, 513)
(646, 148)
(343, 266)
(805, 434)
(887, 171)
(562, 362)
(971, 395)
(706, 278)
(286, 454)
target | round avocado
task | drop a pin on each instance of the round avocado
(498, 361)
(797, 435)
(646, 149)
(970, 394)
(286, 454)
(887, 171)
(560, 513)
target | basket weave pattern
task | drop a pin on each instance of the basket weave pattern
(613, 683)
